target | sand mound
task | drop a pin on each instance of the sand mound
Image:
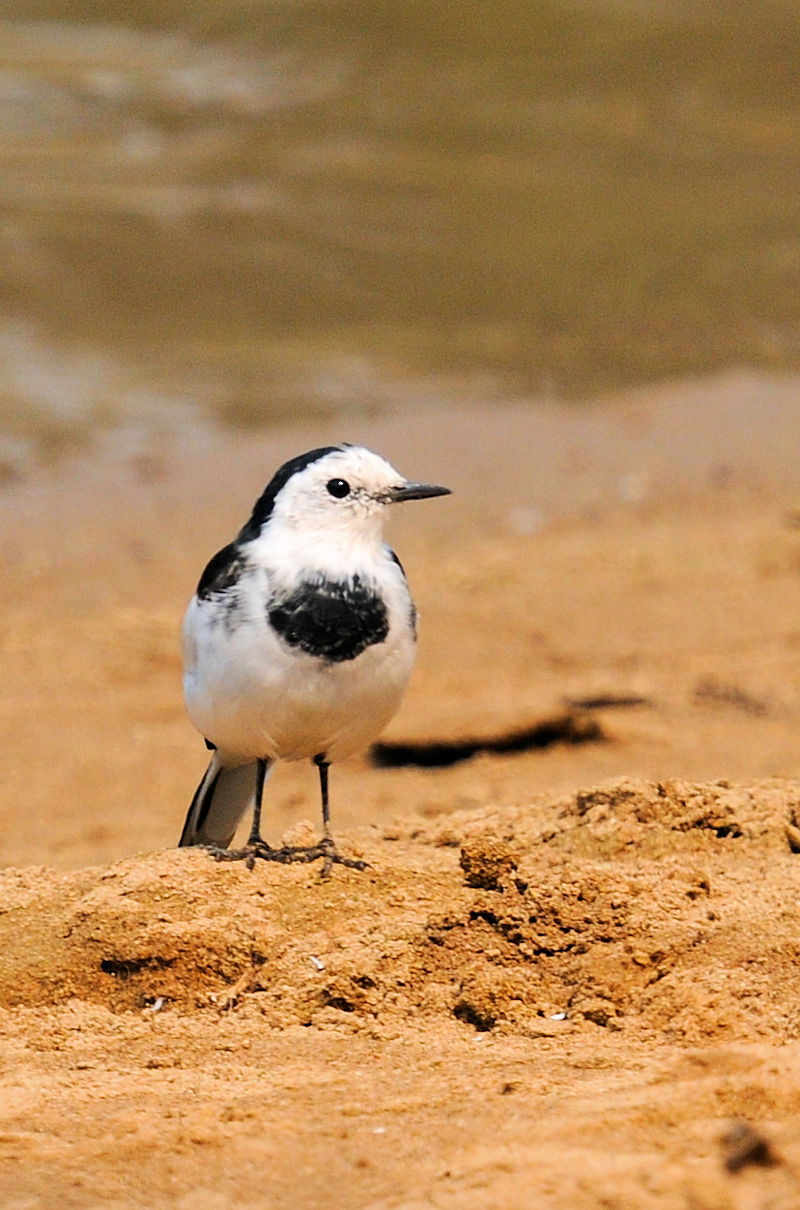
(660, 907)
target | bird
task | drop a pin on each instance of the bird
(298, 643)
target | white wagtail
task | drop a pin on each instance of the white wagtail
(299, 641)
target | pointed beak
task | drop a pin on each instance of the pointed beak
(415, 491)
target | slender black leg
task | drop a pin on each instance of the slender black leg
(255, 831)
(323, 765)
(327, 844)
(256, 845)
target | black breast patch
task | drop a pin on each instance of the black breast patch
(334, 620)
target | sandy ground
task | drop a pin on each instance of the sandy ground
(570, 970)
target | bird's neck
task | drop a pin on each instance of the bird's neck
(337, 553)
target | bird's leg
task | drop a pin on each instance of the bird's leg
(323, 765)
(327, 840)
(256, 845)
(326, 849)
(255, 837)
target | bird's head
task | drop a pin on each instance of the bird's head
(337, 495)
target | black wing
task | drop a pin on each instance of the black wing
(223, 572)
(412, 609)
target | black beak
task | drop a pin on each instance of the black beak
(415, 491)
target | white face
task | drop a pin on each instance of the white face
(345, 489)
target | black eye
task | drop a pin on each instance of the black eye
(338, 488)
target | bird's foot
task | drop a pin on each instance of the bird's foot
(254, 849)
(257, 849)
(325, 850)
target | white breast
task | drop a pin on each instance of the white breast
(254, 696)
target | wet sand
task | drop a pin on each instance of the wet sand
(569, 966)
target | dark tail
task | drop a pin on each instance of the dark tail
(220, 801)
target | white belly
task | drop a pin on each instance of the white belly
(253, 697)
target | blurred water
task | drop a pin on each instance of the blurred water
(254, 210)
